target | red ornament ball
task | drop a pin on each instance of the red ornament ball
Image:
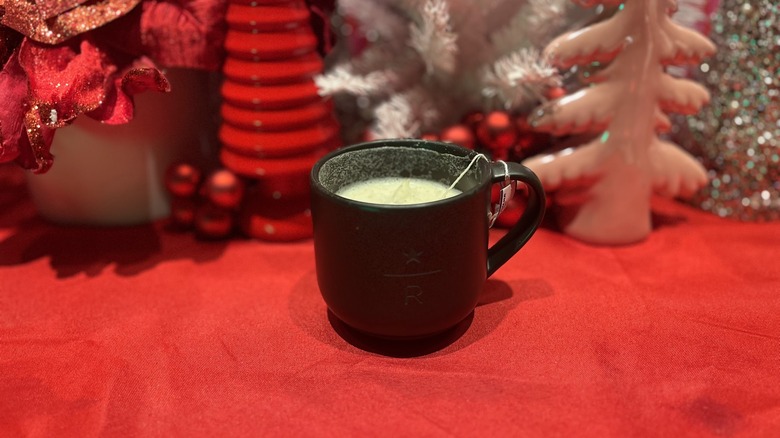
(555, 93)
(473, 119)
(529, 142)
(182, 179)
(365, 136)
(497, 133)
(213, 222)
(522, 124)
(512, 213)
(460, 135)
(224, 189)
(182, 212)
(430, 136)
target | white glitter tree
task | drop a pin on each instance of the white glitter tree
(602, 189)
(428, 62)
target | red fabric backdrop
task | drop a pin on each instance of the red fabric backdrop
(142, 332)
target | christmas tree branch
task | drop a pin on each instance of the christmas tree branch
(433, 38)
(388, 24)
(519, 79)
(600, 42)
(681, 96)
(588, 110)
(402, 114)
(340, 79)
(532, 25)
(683, 46)
(674, 171)
(571, 166)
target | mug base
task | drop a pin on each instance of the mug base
(400, 346)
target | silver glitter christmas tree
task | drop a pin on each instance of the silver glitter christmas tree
(738, 135)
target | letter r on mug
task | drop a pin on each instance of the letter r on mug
(412, 293)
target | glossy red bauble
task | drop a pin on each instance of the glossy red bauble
(213, 222)
(555, 93)
(182, 179)
(460, 135)
(182, 213)
(512, 213)
(497, 134)
(224, 189)
(529, 142)
(473, 119)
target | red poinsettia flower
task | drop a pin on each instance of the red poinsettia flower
(65, 58)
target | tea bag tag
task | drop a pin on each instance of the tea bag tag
(473, 160)
(506, 193)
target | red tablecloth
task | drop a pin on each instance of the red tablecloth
(143, 332)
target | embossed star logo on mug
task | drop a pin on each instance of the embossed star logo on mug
(413, 256)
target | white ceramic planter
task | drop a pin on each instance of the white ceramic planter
(113, 174)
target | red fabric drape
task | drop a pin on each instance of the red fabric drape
(145, 332)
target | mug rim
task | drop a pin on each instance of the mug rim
(413, 143)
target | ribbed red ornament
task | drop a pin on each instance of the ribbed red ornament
(275, 124)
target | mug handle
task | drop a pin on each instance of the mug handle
(525, 227)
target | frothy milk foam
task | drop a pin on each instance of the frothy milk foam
(397, 191)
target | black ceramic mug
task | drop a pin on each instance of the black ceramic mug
(410, 271)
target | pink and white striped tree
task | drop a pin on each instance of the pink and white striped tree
(602, 189)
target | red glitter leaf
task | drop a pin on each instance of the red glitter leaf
(118, 107)
(34, 148)
(13, 84)
(66, 80)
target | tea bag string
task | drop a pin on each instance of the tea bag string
(462, 174)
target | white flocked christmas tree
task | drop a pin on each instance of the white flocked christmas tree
(428, 62)
(602, 189)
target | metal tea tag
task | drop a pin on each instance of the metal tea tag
(506, 193)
